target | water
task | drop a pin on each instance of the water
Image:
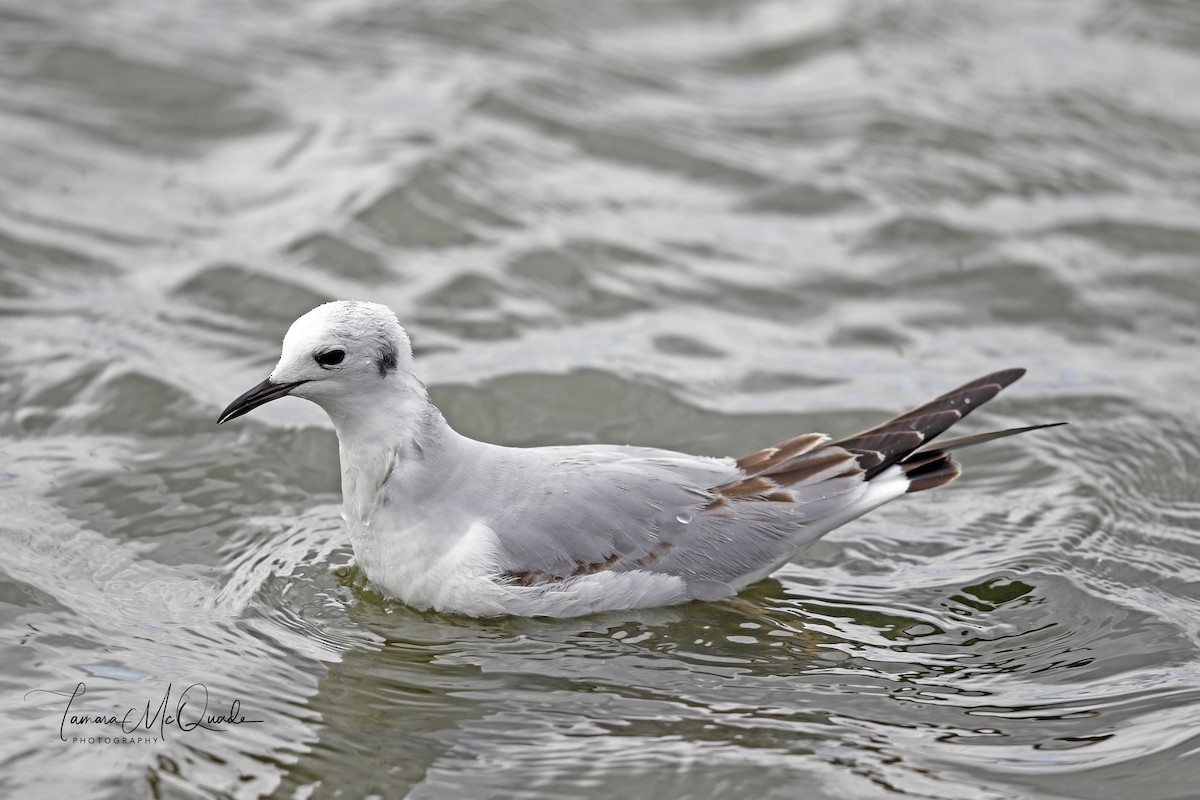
(700, 225)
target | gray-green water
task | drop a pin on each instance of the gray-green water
(700, 225)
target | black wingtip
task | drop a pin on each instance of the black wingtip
(1005, 377)
(892, 441)
(931, 466)
(930, 472)
(980, 438)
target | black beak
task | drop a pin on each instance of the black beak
(264, 393)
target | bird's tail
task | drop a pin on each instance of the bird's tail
(906, 440)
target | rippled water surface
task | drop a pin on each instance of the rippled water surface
(699, 225)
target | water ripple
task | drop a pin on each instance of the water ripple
(704, 226)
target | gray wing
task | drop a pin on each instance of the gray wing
(700, 519)
(572, 511)
(717, 523)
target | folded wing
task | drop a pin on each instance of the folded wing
(627, 509)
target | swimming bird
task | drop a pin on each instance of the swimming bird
(441, 521)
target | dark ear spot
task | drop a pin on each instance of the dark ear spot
(386, 360)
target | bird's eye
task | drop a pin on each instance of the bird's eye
(330, 357)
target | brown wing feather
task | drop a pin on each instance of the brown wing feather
(803, 459)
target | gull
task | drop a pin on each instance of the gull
(441, 521)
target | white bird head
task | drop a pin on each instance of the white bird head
(338, 355)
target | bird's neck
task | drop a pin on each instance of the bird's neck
(394, 445)
(398, 415)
